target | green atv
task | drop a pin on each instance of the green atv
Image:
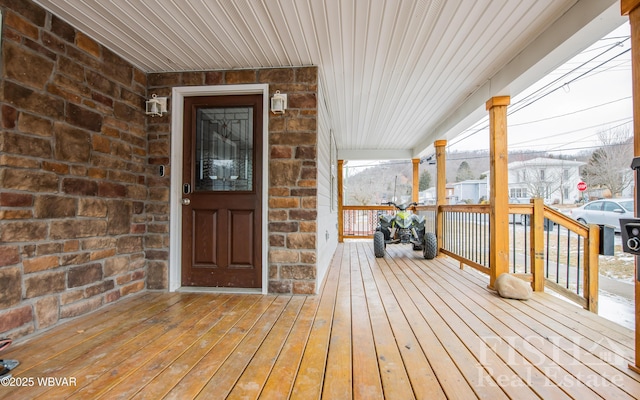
(405, 228)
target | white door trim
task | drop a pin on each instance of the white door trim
(175, 224)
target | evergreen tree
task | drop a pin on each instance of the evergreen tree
(425, 181)
(464, 172)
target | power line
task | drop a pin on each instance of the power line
(583, 64)
(571, 113)
(535, 99)
(627, 120)
(569, 82)
(535, 152)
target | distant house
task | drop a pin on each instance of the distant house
(469, 191)
(449, 194)
(428, 196)
(551, 179)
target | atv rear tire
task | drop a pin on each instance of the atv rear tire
(378, 244)
(430, 246)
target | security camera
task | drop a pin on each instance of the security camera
(630, 233)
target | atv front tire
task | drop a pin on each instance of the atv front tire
(430, 246)
(378, 244)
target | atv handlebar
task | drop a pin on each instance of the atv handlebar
(400, 207)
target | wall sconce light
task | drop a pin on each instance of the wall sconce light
(156, 106)
(278, 103)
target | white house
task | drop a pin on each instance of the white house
(554, 180)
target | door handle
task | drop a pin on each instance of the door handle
(186, 202)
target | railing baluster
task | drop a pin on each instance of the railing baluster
(466, 234)
(459, 229)
(456, 227)
(578, 269)
(558, 258)
(568, 256)
(477, 248)
(526, 245)
(487, 232)
(547, 253)
(445, 230)
(488, 256)
(513, 241)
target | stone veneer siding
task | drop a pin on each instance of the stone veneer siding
(81, 210)
(84, 216)
(292, 169)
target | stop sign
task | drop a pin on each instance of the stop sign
(582, 186)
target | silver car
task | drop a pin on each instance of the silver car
(604, 212)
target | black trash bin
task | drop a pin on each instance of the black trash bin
(607, 236)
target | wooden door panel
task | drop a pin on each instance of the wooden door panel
(205, 224)
(240, 238)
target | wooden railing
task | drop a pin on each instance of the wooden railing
(465, 235)
(546, 247)
(361, 221)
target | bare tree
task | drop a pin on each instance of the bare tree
(360, 195)
(544, 180)
(609, 165)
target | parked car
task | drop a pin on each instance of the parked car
(604, 212)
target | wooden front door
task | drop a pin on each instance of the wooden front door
(222, 189)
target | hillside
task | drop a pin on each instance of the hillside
(376, 182)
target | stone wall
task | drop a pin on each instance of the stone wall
(84, 215)
(292, 169)
(80, 208)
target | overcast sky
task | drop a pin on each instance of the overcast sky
(567, 115)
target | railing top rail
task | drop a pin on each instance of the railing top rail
(471, 208)
(566, 221)
(526, 209)
(386, 207)
(378, 207)
(426, 208)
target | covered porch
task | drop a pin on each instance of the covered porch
(89, 267)
(400, 327)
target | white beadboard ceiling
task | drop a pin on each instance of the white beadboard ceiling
(396, 74)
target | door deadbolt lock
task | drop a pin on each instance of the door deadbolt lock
(186, 202)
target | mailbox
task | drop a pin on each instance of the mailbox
(607, 235)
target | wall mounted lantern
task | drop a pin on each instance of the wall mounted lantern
(156, 106)
(278, 103)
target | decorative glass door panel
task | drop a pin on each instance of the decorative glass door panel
(224, 149)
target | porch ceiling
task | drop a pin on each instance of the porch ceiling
(395, 75)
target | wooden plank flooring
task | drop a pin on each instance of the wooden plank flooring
(399, 327)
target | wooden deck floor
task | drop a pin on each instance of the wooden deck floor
(398, 328)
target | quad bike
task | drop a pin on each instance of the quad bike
(405, 227)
